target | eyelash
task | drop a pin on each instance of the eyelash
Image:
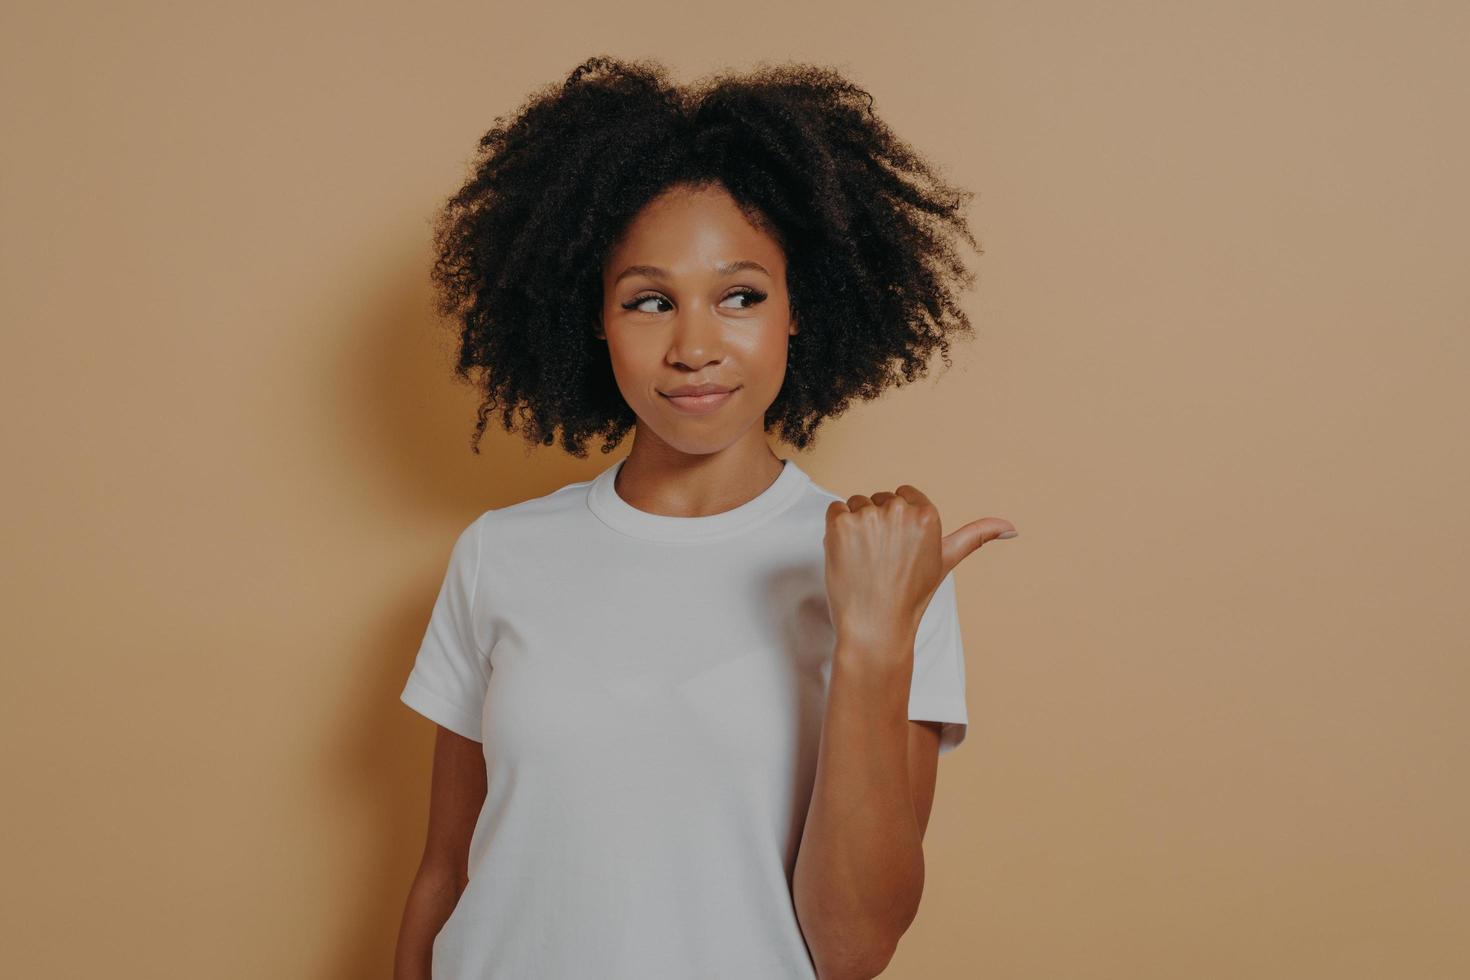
(755, 296)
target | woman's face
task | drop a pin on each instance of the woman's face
(694, 294)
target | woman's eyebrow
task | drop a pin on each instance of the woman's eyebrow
(654, 272)
(740, 265)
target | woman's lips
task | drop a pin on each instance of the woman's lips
(699, 404)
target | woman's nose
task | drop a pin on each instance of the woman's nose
(697, 338)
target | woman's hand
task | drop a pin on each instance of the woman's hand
(885, 558)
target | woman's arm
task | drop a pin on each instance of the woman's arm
(455, 797)
(860, 868)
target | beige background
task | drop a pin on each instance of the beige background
(1217, 686)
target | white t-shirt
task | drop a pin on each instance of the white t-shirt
(649, 691)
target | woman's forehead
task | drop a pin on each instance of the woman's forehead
(694, 232)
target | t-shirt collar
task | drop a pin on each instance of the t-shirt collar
(617, 513)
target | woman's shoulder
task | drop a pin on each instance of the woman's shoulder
(536, 513)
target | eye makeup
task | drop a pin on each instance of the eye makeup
(753, 297)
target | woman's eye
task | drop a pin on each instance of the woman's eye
(636, 303)
(753, 295)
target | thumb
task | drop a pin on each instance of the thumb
(962, 542)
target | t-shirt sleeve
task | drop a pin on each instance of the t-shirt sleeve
(452, 669)
(938, 689)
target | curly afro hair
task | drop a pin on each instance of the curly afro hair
(866, 225)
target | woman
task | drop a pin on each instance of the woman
(689, 710)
